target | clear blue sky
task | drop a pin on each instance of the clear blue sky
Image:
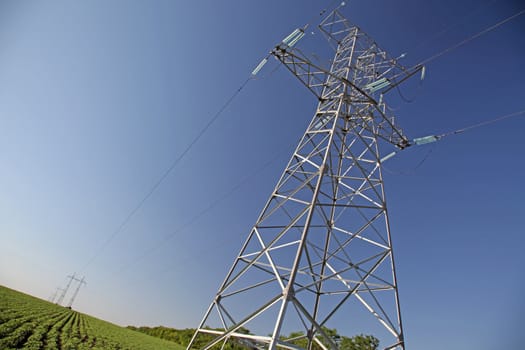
(97, 99)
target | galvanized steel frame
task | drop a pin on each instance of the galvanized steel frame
(323, 237)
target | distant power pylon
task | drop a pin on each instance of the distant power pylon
(64, 291)
(80, 283)
(54, 295)
(320, 254)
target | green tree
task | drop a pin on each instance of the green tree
(359, 342)
(183, 336)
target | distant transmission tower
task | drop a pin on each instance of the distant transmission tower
(54, 295)
(64, 291)
(80, 283)
(320, 256)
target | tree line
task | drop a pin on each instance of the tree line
(183, 337)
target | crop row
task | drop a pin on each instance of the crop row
(29, 323)
(66, 330)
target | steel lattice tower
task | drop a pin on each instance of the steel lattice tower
(320, 254)
(80, 283)
(64, 291)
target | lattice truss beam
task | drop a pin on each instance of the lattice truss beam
(320, 253)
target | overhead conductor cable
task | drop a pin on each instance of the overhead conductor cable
(419, 141)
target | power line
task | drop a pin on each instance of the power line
(412, 170)
(183, 154)
(455, 46)
(200, 214)
(163, 177)
(483, 123)
(166, 173)
(419, 141)
(234, 188)
(454, 24)
(465, 41)
(187, 149)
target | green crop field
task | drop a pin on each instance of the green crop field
(31, 323)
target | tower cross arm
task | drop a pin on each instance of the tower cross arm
(316, 78)
(361, 74)
(385, 127)
(313, 76)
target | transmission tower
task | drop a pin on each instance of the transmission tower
(54, 295)
(64, 291)
(320, 254)
(80, 283)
